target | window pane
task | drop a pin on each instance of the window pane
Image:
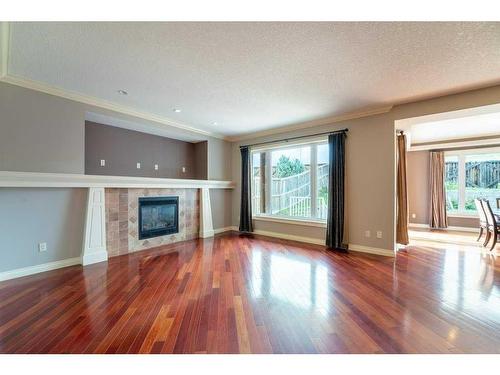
(482, 179)
(451, 183)
(256, 182)
(291, 182)
(322, 174)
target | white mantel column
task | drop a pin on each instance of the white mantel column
(206, 225)
(94, 241)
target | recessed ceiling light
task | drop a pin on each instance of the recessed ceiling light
(214, 123)
(122, 92)
(177, 110)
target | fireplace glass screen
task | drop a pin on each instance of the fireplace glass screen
(158, 216)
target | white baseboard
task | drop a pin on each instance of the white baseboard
(95, 257)
(321, 241)
(20, 272)
(372, 250)
(291, 237)
(206, 233)
(453, 229)
(225, 229)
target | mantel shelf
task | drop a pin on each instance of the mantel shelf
(68, 180)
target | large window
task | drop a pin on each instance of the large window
(291, 181)
(471, 174)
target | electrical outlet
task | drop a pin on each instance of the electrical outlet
(367, 233)
(413, 216)
(156, 167)
(103, 162)
(379, 234)
(138, 165)
(42, 246)
(183, 169)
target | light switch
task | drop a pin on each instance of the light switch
(138, 165)
(183, 169)
(367, 233)
(103, 162)
(413, 216)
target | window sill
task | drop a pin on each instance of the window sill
(463, 215)
(304, 222)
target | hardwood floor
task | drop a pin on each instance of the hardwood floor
(236, 294)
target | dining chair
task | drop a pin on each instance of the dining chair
(483, 223)
(493, 223)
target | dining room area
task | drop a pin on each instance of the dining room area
(453, 179)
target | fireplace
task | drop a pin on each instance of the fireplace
(158, 216)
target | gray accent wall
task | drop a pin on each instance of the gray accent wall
(30, 215)
(40, 132)
(201, 160)
(45, 133)
(122, 149)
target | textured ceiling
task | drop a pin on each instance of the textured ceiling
(248, 77)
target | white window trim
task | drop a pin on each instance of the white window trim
(311, 142)
(291, 220)
(461, 154)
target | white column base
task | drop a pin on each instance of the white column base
(206, 225)
(94, 240)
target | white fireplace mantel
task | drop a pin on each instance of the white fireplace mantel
(94, 244)
(69, 180)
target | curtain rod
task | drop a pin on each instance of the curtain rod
(299, 137)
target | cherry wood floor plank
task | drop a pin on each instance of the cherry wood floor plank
(251, 294)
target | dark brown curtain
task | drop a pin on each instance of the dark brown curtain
(402, 193)
(438, 216)
(246, 205)
(336, 184)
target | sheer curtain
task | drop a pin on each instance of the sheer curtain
(438, 216)
(402, 192)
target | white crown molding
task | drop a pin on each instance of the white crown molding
(4, 48)
(314, 123)
(100, 103)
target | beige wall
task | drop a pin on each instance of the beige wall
(418, 186)
(419, 195)
(370, 165)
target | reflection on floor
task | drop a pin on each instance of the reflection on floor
(250, 294)
(456, 240)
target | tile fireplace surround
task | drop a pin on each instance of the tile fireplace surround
(122, 232)
(111, 222)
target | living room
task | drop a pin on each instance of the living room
(163, 190)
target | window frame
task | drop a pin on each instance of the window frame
(461, 155)
(313, 143)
